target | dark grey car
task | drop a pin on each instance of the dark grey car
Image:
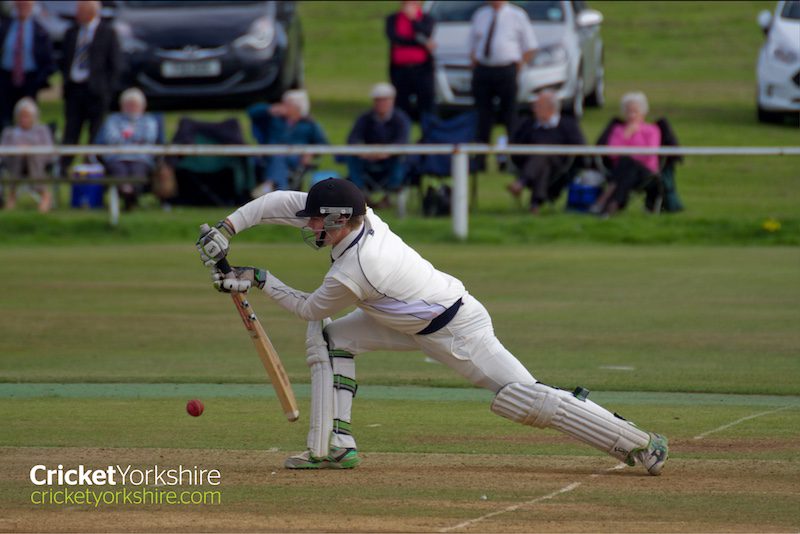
(191, 54)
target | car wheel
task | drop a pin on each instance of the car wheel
(597, 98)
(767, 116)
(577, 100)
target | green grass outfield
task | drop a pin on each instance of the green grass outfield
(678, 318)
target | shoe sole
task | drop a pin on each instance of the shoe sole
(349, 464)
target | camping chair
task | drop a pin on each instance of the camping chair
(659, 188)
(435, 130)
(212, 180)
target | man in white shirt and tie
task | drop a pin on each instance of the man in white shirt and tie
(501, 41)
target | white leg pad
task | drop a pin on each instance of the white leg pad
(344, 386)
(547, 407)
(320, 424)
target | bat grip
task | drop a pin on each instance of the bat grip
(224, 266)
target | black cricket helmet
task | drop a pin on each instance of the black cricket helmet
(335, 199)
(334, 196)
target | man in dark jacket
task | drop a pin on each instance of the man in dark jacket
(26, 58)
(384, 124)
(410, 58)
(540, 171)
(90, 68)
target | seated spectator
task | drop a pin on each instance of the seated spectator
(132, 126)
(27, 132)
(286, 123)
(382, 125)
(541, 172)
(629, 172)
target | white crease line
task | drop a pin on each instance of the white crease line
(743, 419)
(514, 507)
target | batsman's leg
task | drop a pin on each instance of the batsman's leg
(321, 413)
(544, 406)
(348, 336)
(468, 345)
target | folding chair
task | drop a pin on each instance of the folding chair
(659, 188)
(435, 130)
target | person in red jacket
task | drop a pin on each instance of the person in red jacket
(411, 58)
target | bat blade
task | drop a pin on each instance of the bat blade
(269, 357)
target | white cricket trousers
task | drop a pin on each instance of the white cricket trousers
(467, 344)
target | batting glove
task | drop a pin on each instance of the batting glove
(239, 280)
(214, 245)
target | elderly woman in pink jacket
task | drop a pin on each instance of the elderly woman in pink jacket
(629, 172)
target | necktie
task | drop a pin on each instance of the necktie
(82, 53)
(18, 71)
(487, 47)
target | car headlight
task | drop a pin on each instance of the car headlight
(785, 55)
(549, 55)
(127, 40)
(259, 37)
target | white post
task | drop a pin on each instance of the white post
(113, 205)
(460, 201)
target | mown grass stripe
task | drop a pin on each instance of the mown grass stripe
(204, 390)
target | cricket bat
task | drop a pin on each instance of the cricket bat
(269, 356)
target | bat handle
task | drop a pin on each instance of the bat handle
(224, 266)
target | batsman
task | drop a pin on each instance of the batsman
(402, 303)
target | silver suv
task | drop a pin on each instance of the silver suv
(569, 59)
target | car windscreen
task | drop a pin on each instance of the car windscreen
(462, 11)
(791, 10)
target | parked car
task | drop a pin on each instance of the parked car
(194, 54)
(778, 69)
(569, 60)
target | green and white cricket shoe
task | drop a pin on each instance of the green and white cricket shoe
(338, 458)
(655, 455)
(341, 458)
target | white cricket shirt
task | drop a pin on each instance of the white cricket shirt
(372, 268)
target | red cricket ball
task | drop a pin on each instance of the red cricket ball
(194, 408)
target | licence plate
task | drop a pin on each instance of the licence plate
(191, 69)
(461, 81)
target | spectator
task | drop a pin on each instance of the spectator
(132, 126)
(26, 58)
(501, 41)
(540, 172)
(382, 125)
(410, 58)
(89, 68)
(629, 172)
(27, 132)
(286, 123)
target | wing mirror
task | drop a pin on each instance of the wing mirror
(589, 17)
(764, 20)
